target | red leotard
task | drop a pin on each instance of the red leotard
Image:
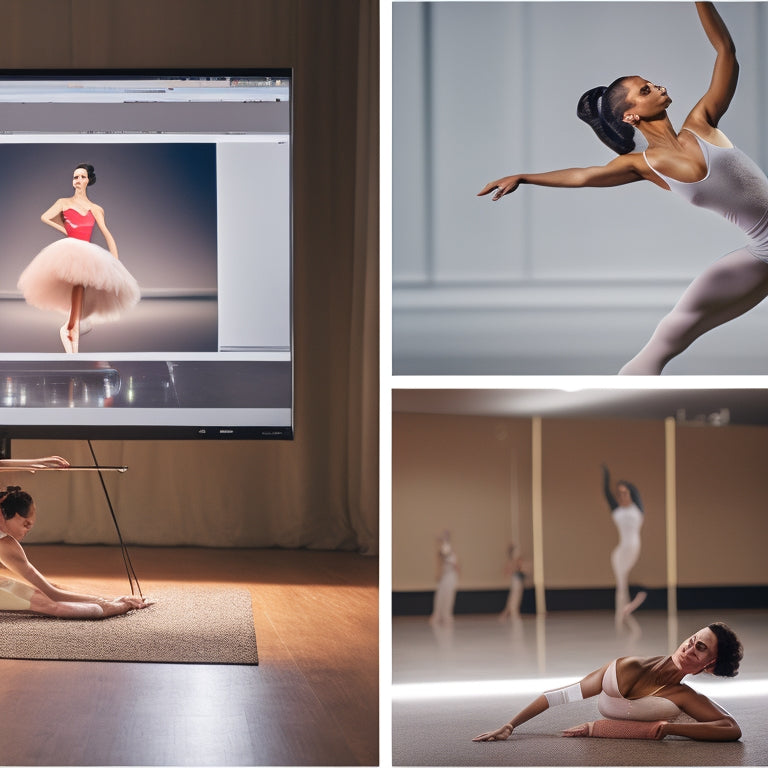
(78, 225)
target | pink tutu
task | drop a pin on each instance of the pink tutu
(109, 288)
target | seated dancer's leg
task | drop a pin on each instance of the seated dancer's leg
(40, 603)
(730, 287)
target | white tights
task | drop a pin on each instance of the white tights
(732, 286)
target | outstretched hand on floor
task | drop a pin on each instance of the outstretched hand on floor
(500, 734)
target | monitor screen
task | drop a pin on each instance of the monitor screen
(146, 282)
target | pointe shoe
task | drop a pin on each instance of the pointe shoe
(86, 326)
(66, 339)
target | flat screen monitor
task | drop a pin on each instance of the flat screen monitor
(192, 197)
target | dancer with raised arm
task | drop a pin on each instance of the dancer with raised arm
(36, 593)
(701, 164)
(640, 698)
(627, 513)
(73, 275)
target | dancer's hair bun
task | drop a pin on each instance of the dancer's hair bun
(588, 108)
(14, 501)
(602, 109)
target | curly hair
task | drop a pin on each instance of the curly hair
(603, 109)
(729, 650)
(14, 501)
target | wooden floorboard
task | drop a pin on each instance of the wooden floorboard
(313, 699)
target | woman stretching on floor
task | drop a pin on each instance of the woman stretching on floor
(17, 519)
(700, 164)
(642, 697)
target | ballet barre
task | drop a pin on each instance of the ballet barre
(33, 468)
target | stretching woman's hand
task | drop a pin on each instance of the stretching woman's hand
(120, 605)
(502, 186)
(500, 734)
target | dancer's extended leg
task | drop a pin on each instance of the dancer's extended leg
(70, 331)
(730, 287)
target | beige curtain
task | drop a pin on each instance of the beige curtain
(320, 490)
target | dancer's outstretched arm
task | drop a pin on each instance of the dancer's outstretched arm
(591, 685)
(623, 169)
(725, 74)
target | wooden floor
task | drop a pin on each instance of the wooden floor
(313, 699)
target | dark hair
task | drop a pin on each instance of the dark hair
(729, 650)
(14, 501)
(91, 173)
(603, 110)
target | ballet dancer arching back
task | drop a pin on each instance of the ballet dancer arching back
(642, 697)
(74, 275)
(627, 513)
(699, 163)
(36, 593)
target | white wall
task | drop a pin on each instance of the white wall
(530, 284)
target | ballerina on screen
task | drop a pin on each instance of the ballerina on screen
(75, 276)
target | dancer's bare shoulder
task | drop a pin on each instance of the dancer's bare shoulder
(705, 131)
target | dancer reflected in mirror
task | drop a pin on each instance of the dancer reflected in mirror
(628, 514)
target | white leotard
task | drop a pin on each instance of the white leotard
(628, 521)
(734, 187)
(612, 704)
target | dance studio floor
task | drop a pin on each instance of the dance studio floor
(313, 699)
(452, 684)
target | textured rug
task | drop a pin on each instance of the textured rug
(193, 625)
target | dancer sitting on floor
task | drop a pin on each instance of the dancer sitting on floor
(627, 512)
(642, 697)
(16, 521)
(700, 164)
